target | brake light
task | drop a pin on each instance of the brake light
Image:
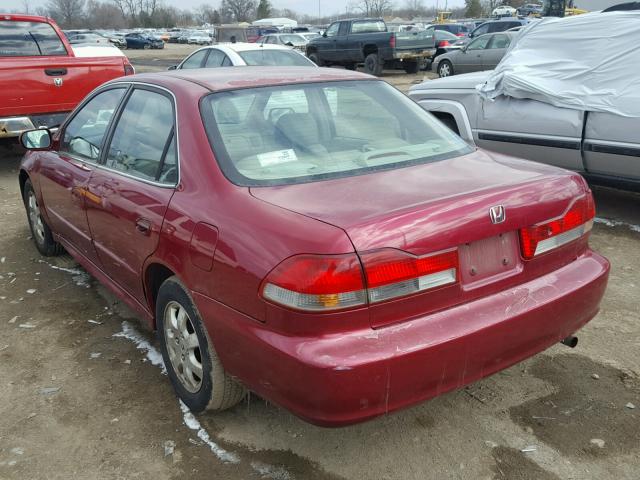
(392, 40)
(128, 69)
(444, 43)
(578, 221)
(317, 282)
(393, 273)
(459, 34)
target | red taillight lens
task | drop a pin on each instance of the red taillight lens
(317, 282)
(459, 34)
(393, 273)
(444, 43)
(128, 69)
(392, 40)
(577, 222)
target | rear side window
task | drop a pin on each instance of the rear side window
(215, 58)
(500, 41)
(29, 39)
(368, 26)
(143, 137)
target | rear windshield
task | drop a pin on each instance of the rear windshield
(29, 39)
(275, 57)
(309, 132)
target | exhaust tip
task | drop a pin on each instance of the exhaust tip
(571, 341)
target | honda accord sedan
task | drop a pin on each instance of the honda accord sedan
(312, 235)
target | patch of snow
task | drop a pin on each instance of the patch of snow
(95, 355)
(192, 422)
(152, 353)
(31, 291)
(616, 223)
(269, 471)
(26, 325)
(80, 277)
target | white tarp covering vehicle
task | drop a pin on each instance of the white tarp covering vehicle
(586, 62)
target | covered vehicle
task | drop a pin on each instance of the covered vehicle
(243, 54)
(553, 102)
(482, 53)
(312, 235)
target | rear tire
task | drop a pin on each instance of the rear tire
(40, 231)
(316, 59)
(445, 69)
(411, 67)
(373, 65)
(192, 363)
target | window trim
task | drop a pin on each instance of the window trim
(128, 86)
(114, 123)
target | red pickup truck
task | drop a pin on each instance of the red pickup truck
(41, 78)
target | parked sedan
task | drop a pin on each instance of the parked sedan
(482, 53)
(138, 40)
(88, 38)
(338, 264)
(294, 40)
(199, 38)
(243, 54)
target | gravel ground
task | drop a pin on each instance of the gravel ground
(82, 394)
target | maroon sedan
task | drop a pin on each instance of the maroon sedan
(312, 235)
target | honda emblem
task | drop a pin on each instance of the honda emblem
(497, 214)
(57, 82)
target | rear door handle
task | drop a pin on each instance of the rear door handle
(143, 226)
(55, 72)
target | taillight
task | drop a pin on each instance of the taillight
(444, 43)
(459, 34)
(128, 69)
(317, 282)
(334, 282)
(393, 273)
(578, 220)
(392, 40)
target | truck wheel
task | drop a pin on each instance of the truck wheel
(411, 67)
(40, 231)
(445, 69)
(316, 59)
(192, 363)
(373, 65)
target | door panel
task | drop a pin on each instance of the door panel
(532, 130)
(470, 60)
(134, 187)
(612, 145)
(64, 174)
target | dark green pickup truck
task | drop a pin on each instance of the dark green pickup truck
(368, 41)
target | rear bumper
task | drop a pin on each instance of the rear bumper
(341, 379)
(413, 54)
(14, 126)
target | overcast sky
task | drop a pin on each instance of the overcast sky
(310, 7)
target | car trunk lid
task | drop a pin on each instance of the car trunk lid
(435, 207)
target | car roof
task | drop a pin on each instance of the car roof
(234, 78)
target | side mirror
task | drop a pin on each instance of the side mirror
(172, 67)
(36, 139)
(324, 34)
(289, 44)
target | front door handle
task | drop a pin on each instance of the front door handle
(143, 226)
(55, 72)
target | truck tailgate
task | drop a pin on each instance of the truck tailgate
(419, 40)
(51, 84)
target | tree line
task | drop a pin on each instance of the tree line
(102, 14)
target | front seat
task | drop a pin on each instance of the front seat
(300, 131)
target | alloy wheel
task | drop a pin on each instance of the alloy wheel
(35, 219)
(183, 346)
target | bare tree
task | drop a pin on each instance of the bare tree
(414, 8)
(373, 8)
(67, 13)
(239, 10)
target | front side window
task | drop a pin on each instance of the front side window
(332, 31)
(194, 61)
(284, 58)
(143, 136)
(29, 39)
(479, 43)
(84, 134)
(300, 133)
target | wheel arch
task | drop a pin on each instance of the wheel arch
(456, 110)
(155, 273)
(369, 49)
(23, 176)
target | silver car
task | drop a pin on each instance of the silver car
(602, 146)
(482, 53)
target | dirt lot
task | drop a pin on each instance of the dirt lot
(82, 394)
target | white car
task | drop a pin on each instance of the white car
(242, 54)
(199, 38)
(504, 11)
